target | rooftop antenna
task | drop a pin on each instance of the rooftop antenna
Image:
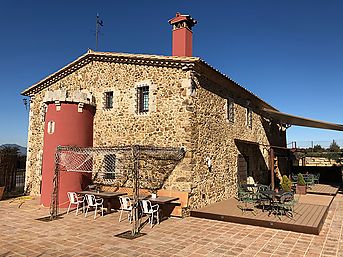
(98, 25)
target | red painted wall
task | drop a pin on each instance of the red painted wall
(182, 42)
(71, 128)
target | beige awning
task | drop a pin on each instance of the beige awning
(289, 119)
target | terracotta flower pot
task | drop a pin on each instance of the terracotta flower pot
(301, 190)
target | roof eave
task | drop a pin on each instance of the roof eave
(173, 61)
(27, 92)
(244, 91)
(106, 56)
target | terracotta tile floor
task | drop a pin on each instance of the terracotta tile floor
(22, 235)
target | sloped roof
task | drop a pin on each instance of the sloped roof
(194, 63)
(145, 59)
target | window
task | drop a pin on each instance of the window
(51, 127)
(230, 110)
(249, 117)
(109, 166)
(143, 99)
(109, 99)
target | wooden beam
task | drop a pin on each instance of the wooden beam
(271, 162)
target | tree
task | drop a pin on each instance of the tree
(9, 150)
(8, 166)
(334, 147)
(318, 148)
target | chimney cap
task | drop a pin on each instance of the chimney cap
(183, 17)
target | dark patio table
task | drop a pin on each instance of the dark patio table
(252, 188)
(164, 202)
(245, 186)
(158, 200)
(108, 197)
(161, 199)
(274, 199)
(140, 197)
(273, 194)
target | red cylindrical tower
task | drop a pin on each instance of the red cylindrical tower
(66, 124)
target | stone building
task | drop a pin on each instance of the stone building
(170, 101)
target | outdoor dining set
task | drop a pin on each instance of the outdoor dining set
(277, 202)
(310, 179)
(147, 205)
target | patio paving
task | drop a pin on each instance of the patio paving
(22, 235)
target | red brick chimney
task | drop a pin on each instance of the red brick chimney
(182, 34)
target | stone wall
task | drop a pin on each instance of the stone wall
(33, 174)
(166, 124)
(318, 161)
(216, 138)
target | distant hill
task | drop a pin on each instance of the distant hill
(22, 150)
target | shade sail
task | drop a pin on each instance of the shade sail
(285, 118)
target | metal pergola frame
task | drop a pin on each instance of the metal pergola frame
(271, 151)
(162, 153)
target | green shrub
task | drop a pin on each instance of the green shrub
(301, 180)
(286, 184)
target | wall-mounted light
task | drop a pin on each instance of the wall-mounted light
(25, 102)
(209, 162)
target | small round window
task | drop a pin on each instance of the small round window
(51, 127)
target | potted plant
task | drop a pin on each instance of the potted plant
(301, 185)
(2, 190)
(286, 184)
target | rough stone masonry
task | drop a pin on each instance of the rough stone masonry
(188, 107)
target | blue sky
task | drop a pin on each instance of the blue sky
(289, 53)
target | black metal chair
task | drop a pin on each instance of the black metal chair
(285, 205)
(316, 178)
(263, 200)
(309, 180)
(247, 197)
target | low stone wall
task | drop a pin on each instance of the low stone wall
(318, 161)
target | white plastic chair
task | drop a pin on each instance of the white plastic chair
(251, 181)
(94, 202)
(151, 210)
(125, 205)
(76, 200)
